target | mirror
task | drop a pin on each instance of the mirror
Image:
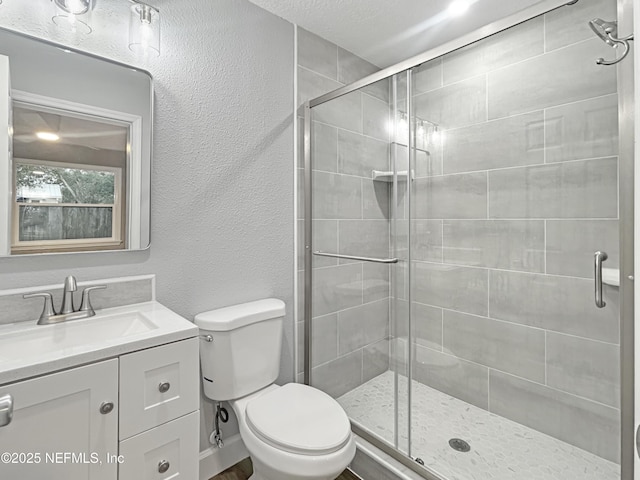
(76, 164)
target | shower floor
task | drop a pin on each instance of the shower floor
(500, 449)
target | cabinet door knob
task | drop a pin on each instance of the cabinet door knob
(163, 466)
(164, 387)
(6, 410)
(106, 407)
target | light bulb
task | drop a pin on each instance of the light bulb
(48, 136)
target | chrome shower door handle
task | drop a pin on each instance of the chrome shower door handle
(599, 257)
(6, 410)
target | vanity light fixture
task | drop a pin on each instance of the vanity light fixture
(144, 29)
(73, 15)
(48, 136)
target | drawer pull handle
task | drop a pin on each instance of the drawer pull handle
(163, 466)
(106, 408)
(6, 410)
(164, 387)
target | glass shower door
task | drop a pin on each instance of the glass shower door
(515, 370)
(359, 325)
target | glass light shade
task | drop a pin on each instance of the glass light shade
(73, 16)
(144, 30)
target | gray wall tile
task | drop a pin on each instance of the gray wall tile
(426, 323)
(562, 76)
(317, 54)
(375, 360)
(325, 147)
(375, 114)
(427, 162)
(563, 190)
(568, 24)
(425, 78)
(352, 68)
(376, 282)
(585, 424)
(572, 243)
(508, 142)
(325, 239)
(336, 196)
(350, 367)
(344, 112)
(561, 304)
(426, 236)
(324, 339)
(375, 199)
(360, 155)
(312, 85)
(455, 105)
(454, 287)
(510, 46)
(453, 376)
(368, 238)
(584, 367)
(336, 288)
(362, 325)
(451, 196)
(586, 129)
(501, 345)
(506, 244)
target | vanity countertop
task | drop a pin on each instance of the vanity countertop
(28, 350)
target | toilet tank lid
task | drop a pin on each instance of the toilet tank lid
(236, 316)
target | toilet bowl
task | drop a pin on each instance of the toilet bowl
(292, 432)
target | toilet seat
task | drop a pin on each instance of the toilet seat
(299, 419)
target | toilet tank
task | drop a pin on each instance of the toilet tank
(244, 354)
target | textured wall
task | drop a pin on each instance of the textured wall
(223, 147)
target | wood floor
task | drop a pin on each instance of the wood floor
(243, 470)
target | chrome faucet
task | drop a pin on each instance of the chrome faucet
(70, 286)
(67, 310)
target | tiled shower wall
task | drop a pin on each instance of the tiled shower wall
(351, 216)
(525, 191)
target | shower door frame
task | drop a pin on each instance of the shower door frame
(626, 94)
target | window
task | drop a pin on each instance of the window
(69, 181)
(60, 206)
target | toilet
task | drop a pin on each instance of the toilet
(292, 432)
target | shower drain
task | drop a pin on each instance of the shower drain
(459, 445)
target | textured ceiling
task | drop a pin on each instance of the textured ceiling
(386, 32)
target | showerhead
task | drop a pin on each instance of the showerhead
(605, 30)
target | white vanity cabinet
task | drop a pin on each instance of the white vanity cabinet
(158, 427)
(60, 414)
(131, 417)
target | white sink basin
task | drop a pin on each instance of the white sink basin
(27, 349)
(68, 335)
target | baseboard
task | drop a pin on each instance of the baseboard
(215, 460)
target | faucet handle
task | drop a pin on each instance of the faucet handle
(48, 310)
(85, 306)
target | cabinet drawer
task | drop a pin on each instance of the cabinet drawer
(158, 385)
(169, 451)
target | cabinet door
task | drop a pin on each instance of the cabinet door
(169, 451)
(58, 425)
